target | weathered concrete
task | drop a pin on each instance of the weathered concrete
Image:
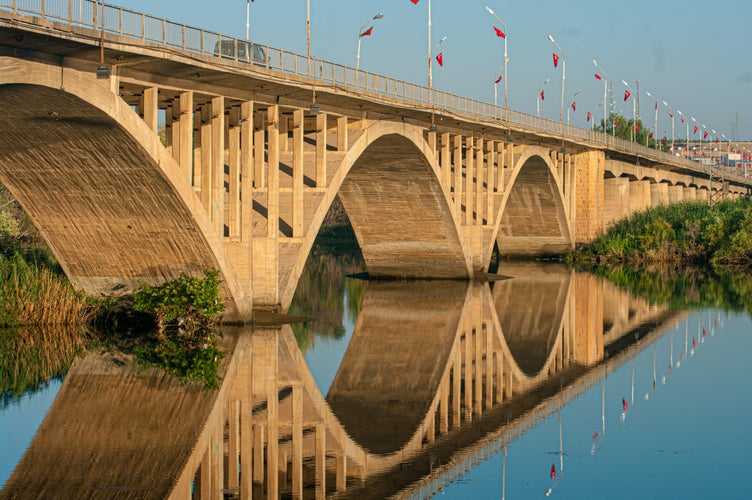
(639, 196)
(616, 200)
(658, 194)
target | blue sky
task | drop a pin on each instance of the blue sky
(695, 55)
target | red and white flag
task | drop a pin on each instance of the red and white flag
(637, 127)
(543, 95)
(626, 95)
(695, 131)
(705, 135)
(650, 135)
(671, 116)
(574, 106)
(556, 60)
(498, 79)
(499, 33)
(597, 76)
(588, 116)
(367, 32)
(656, 104)
(440, 58)
(682, 119)
(415, 1)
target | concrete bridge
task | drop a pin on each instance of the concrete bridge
(459, 367)
(255, 151)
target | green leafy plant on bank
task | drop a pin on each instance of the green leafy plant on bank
(185, 311)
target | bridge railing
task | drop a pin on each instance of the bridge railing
(147, 28)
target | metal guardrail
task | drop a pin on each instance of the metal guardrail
(147, 28)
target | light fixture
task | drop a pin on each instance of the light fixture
(103, 71)
(433, 128)
(510, 138)
(315, 109)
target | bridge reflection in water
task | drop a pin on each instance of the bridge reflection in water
(435, 372)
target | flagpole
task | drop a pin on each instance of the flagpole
(429, 44)
(569, 105)
(563, 76)
(634, 110)
(308, 34)
(375, 18)
(537, 99)
(655, 127)
(506, 59)
(247, 19)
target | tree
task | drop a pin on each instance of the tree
(621, 127)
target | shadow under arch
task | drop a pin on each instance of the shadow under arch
(107, 197)
(534, 220)
(403, 218)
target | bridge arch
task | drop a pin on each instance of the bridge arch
(107, 197)
(533, 218)
(402, 216)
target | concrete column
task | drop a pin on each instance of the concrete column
(149, 107)
(470, 185)
(342, 140)
(196, 172)
(690, 194)
(259, 439)
(480, 191)
(702, 195)
(217, 461)
(457, 386)
(478, 365)
(490, 179)
(658, 194)
(468, 380)
(444, 407)
(297, 441)
(458, 175)
(675, 194)
(589, 192)
(588, 320)
(445, 161)
(272, 172)
(430, 426)
(341, 473)
(186, 133)
(234, 164)
(499, 382)
(233, 442)
(246, 447)
(218, 163)
(321, 173)
(206, 158)
(320, 462)
(489, 368)
(431, 139)
(206, 474)
(297, 173)
(284, 136)
(259, 146)
(246, 171)
(639, 196)
(615, 200)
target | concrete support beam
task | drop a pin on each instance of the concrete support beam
(321, 170)
(479, 176)
(588, 319)
(217, 163)
(658, 194)
(233, 146)
(259, 150)
(458, 174)
(246, 170)
(185, 133)
(469, 181)
(297, 441)
(342, 140)
(675, 194)
(588, 217)
(297, 173)
(615, 200)
(690, 194)
(639, 196)
(272, 172)
(149, 109)
(445, 162)
(206, 158)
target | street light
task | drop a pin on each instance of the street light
(506, 59)
(430, 56)
(571, 104)
(634, 108)
(671, 114)
(247, 19)
(686, 122)
(497, 78)
(361, 34)
(563, 75)
(103, 71)
(540, 95)
(655, 126)
(698, 126)
(605, 88)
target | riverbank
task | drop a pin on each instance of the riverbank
(689, 233)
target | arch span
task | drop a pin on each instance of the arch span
(107, 197)
(534, 219)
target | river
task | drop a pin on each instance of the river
(553, 382)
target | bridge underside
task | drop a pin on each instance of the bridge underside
(534, 222)
(400, 214)
(98, 198)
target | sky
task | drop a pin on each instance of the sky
(697, 56)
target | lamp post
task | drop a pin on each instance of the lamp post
(686, 122)
(103, 71)
(563, 76)
(361, 34)
(671, 114)
(570, 104)
(430, 56)
(655, 126)
(538, 98)
(698, 126)
(506, 59)
(634, 108)
(605, 89)
(247, 19)
(497, 78)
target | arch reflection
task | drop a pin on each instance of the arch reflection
(435, 371)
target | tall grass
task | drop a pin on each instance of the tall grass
(683, 233)
(30, 356)
(31, 294)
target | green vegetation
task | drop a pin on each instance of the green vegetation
(689, 233)
(185, 311)
(621, 127)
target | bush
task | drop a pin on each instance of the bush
(185, 311)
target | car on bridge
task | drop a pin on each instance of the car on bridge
(244, 50)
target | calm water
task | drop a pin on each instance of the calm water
(553, 383)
